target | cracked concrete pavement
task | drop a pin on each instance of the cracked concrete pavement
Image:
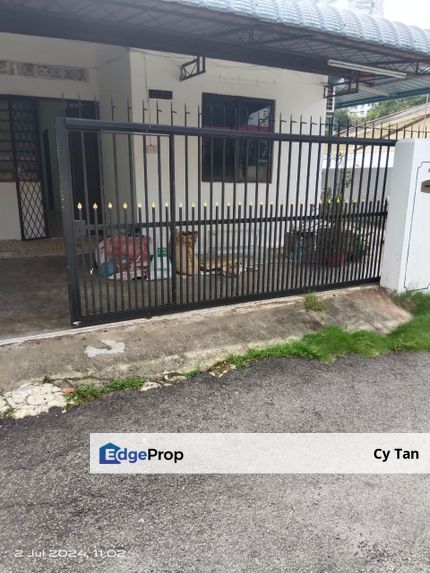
(148, 348)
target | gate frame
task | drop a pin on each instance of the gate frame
(64, 125)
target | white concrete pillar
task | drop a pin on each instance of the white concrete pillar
(406, 260)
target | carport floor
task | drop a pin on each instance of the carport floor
(33, 296)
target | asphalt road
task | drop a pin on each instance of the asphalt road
(173, 524)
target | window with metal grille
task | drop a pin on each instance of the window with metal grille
(7, 170)
(237, 159)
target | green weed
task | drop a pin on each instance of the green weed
(313, 302)
(88, 392)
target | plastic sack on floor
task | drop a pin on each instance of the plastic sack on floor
(123, 256)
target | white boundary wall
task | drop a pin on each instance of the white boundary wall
(406, 260)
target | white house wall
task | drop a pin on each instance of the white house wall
(34, 50)
(115, 88)
(294, 94)
(122, 75)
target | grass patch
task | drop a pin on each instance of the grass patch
(327, 345)
(313, 302)
(333, 342)
(192, 373)
(7, 415)
(88, 392)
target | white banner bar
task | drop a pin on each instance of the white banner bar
(260, 453)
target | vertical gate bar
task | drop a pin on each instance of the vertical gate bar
(261, 248)
(83, 263)
(234, 255)
(142, 252)
(68, 214)
(342, 240)
(245, 261)
(96, 230)
(285, 261)
(160, 217)
(205, 247)
(349, 240)
(255, 269)
(211, 204)
(301, 259)
(360, 207)
(216, 274)
(354, 160)
(87, 211)
(324, 220)
(199, 207)
(351, 200)
(118, 218)
(297, 201)
(240, 269)
(181, 254)
(249, 267)
(222, 210)
(227, 260)
(154, 235)
(266, 250)
(344, 219)
(367, 209)
(356, 229)
(168, 272)
(371, 261)
(276, 245)
(127, 252)
(193, 215)
(133, 203)
(305, 269)
(111, 231)
(333, 220)
(361, 202)
(172, 173)
(103, 206)
(187, 210)
(117, 206)
(281, 247)
(291, 255)
(146, 203)
(270, 261)
(337, 235)
(314, 219)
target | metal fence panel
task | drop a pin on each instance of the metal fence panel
(197, 216)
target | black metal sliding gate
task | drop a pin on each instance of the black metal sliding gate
(191, 217)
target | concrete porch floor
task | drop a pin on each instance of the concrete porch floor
(33, 296)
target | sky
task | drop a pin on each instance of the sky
(414, 12)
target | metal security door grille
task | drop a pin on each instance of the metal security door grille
(193, 217)
(27, 159)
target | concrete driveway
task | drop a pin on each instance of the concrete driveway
(175, 524)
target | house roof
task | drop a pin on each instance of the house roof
(300, 35)
(310, 15)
